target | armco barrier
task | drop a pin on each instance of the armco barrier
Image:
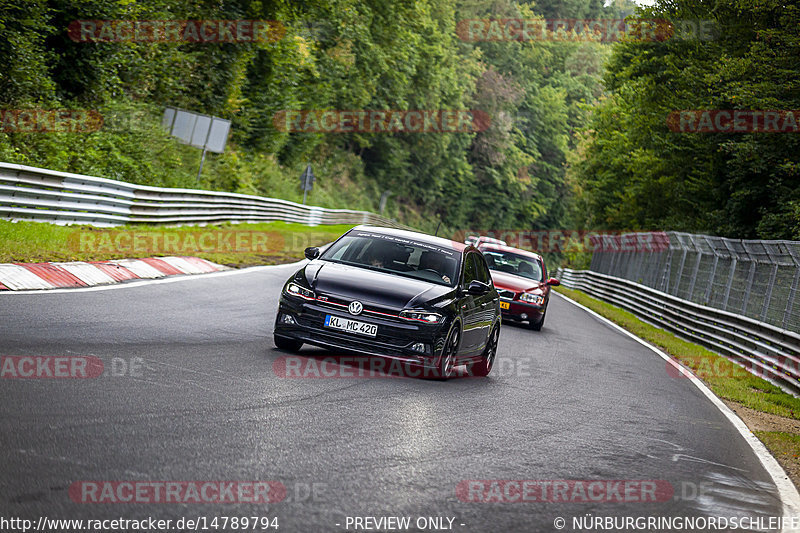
(765, 350)
(750, 277)
(28, 193)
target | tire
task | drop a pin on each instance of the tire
(287, 344)
(483, 368)
(446, 364)
(537, 326)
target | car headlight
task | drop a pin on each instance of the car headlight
(421, 316)
(296, 290)
(536, 299)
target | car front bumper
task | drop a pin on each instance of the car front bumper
(521, 311)
(394, 338)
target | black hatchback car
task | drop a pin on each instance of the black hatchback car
(425, 301)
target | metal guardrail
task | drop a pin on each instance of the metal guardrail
(29, 193)
(755, 278)
(762, 349)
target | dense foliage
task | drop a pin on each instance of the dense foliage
(631, 171)
(334, 54)
(578, 132)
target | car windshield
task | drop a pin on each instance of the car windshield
(517, 264)
(396, 255)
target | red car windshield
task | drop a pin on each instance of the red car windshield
(517, 264)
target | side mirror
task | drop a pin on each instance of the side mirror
(312, 252)
(554, 282)
(477, 288)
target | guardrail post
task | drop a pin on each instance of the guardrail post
(641, 259)
(614, 256)
(664, 286)
(768, 295)
(593, 265)
(750, 277)
(711, 279)
(680, 272)
(694, 275)
(729, 284)
(790, 301)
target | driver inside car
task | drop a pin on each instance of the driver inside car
(433, 261)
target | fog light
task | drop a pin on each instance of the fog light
(524, 316)
(287, 319)
(419, 347)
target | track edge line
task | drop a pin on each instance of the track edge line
(790, 497)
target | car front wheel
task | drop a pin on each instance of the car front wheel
(447, 360)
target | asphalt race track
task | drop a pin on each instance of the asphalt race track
(189, 392)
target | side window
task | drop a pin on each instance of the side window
(483, 270)
(470, 270)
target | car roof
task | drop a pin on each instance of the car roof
(500, 248)
(414, 235)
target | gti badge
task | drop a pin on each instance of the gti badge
(355, 308)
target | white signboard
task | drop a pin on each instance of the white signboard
(202, 131)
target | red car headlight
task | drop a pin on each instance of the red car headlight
(536, 299)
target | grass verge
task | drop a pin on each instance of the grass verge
(764, 407)
(235, 245)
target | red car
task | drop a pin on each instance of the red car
(520, 278)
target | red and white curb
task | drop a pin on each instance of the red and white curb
(33, 276)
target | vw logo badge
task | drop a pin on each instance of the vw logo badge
(355, 308)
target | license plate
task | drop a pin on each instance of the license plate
(351, 326)
(504, 305)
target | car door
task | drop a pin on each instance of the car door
(486, 305)
(469, 306)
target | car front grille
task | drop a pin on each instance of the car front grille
(506, 294)
(341, 305)
(388, 336)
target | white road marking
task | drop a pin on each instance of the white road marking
(139, 268)
(790, 498)
(141, 283)
(16, 276)
(89, 274)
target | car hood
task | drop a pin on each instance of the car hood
(371, 287)
(511, 282)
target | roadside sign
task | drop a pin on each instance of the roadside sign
(307, 181)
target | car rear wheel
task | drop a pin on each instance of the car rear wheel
(447, 360)
(483, 368)
(284, 343)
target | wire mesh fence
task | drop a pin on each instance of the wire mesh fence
(757, 279)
